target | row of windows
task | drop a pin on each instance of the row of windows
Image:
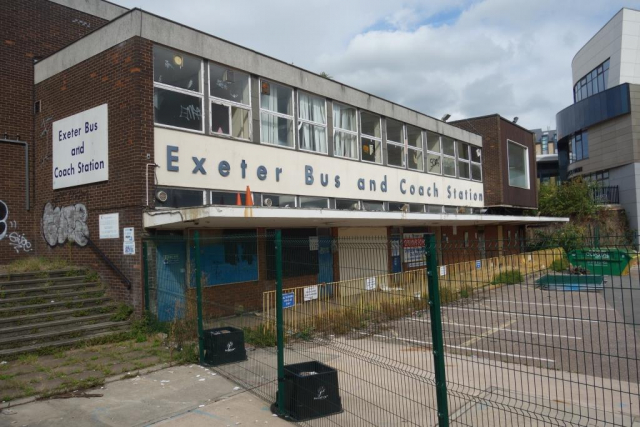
(594, 82)
(181, 198)
(579, 147)
(179, 98)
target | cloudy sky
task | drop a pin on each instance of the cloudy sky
(463, 57)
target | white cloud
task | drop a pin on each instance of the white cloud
(460, 57)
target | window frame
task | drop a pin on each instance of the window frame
(396, 144)
(471, 163)
(410, 147)
(281, 115)
(454, 157)
(373, 138)
(526, 163)
(165, 86)
(300, 121)
(230, 104)
(459, 159)
(439, 154)
(350, 132)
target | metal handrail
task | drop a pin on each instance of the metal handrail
(106, 259)
(606, 195)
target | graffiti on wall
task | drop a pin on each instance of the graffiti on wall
(65, 224)
(18, 241)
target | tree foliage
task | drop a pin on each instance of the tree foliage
(572, 199)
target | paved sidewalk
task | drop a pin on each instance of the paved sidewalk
(178, 396)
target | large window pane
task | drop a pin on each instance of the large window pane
(395, 155)
(313, 138)
(449, 166)
(476, 172)
(434, 163)
(177, 109)
(345, 145)
(276, 130)
(314, 202)
(272, 200)
(463, 150)
(276, 98)
(373, 206)
(414, 136)
(312, 108)
(448, 146)
(394, 131)
(229, 84)
(344, 117)
(176, 68)
(370, 124)
(346, 204)
(415, 160)
(463, 169)
(476, 154)
(220, 119)
(518, 165)
(240, 123)
(433, 142)
(371, 150)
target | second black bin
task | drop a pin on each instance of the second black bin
(224, 345)
(311, 390)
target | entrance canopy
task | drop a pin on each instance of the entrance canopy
(254, 217)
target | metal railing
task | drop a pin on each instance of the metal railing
(110, 263)
(608, 195)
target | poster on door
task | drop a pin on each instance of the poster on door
(413, 250)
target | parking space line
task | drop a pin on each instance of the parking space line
(547, 305)
(504, 329)
(488, 333)
(499, 353)
(489, 310)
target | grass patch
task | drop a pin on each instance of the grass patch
(559, 265)
(30, 264)
(189, 353)
(28, 359)
(260, 336)
(508, 277)
(122, 313)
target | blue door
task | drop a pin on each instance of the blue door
(325, 264)
(171, 276)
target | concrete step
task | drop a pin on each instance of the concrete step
(54, 344)
(57, 297)
(48, 289)
(70, 331)
(50, 306)
(25, 319)
(52, 325)
(43, 274)
(42, 281)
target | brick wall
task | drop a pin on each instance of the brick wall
(30, 29)
(121, 77)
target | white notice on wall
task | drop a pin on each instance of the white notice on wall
(443, 270)
(81, 148)
(313, 243)
(311, 293)
(129, 242)
(109, 226)
(370, 283)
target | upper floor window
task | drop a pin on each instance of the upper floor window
(476, 163)
(545, 144)
(415, 157)
(276, 114)
(579, 147)
(177, 94)
(312, 128)
(345, 131)
(464, 163)
(434, 153)
(594, 82)
(395, 143)
(518, 157)
(371, 139)
(230, 101)
(448, 156)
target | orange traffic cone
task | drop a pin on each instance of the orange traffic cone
(249, 197)
(238, 200)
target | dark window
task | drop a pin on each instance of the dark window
(177, 109)
(349, 205)
(180, 198)
(176, 69)
(593, 82)
(220, 119)
(578, 147)
(298, 257)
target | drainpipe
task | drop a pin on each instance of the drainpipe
(147, 179)
(17, 141)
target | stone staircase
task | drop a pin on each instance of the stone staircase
(53, 309)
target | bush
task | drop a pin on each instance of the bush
(568, 237)
(508, 277)
(561, 264)
(122, 313)
(260, 336)
(572, 198)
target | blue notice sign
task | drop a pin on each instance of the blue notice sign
(478, 264)
(288, 300)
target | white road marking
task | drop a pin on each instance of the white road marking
(548, 305)
(505, 329)
(489, 310)
(542, 359)
(488, 333)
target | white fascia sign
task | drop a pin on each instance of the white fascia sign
(81, 148)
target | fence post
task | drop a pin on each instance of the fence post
(199, 297)
(279, 323)
(436, 328)
(145, 260)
